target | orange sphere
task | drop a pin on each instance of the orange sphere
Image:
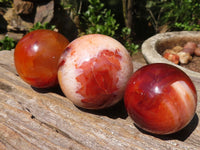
(36, 57)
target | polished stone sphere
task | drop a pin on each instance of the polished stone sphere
(94, 70)
(36, 57)
(160, 98)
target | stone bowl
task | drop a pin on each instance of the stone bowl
(153, 48)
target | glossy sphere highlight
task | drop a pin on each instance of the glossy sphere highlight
(36, 57)
(94, 71)
(160, 98)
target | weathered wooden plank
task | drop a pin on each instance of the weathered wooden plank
(46, 119)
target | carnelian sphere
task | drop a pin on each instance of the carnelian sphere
(36, 57)
(160, 98)
(94, 70)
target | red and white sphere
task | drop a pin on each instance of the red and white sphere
(94, 70)
(160, 98)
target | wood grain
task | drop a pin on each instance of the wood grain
(33, 119)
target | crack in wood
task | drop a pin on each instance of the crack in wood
(27, 109)
(5, 87)
(32, 117)
(53, 128)
(62, 133)
(7, 143)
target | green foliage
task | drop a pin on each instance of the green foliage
(71, 7)
(154, 10)
(131, 47)
(38, 25)
(98, 19)
(191, 17)
(7, 43)
(187, 26)
(65, 4)
(177, 14)
(6, 3)
(128, 41)
(69, 4)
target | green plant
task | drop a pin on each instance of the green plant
(7, 43)
(128, 41)
(187, 26)
(191, 21)
(71, 7)
(154, 11)
(177, 14)
(38, 25)
(98, 19)
(131, 47)
(6, 3)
